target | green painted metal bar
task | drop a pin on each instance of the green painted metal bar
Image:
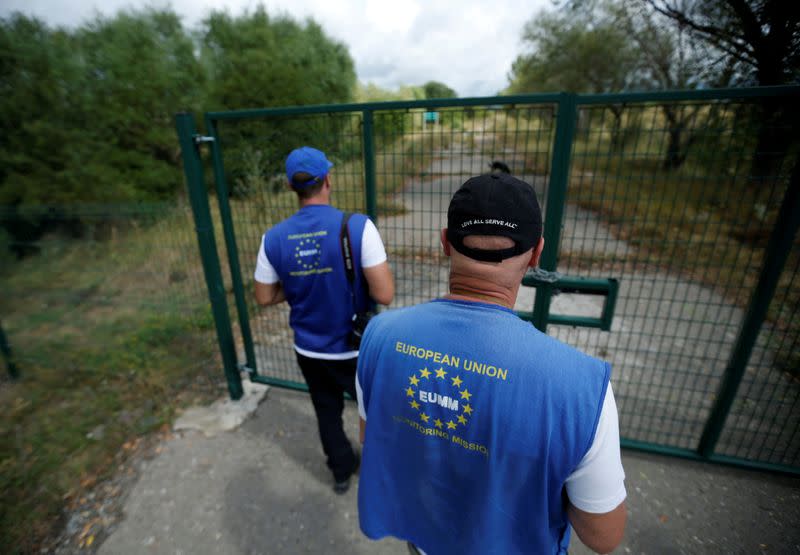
(5, 349)
(277, 382)
(607, 287)
(369, 166)
(654, 448)
(565, 320)
(695, 94)
(778, 248)
(287, 384)
(392, 105)
(573, 284)
(656, 96)
(230, 243)
(556, 198)
(192, 166)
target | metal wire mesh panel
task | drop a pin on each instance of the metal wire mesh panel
(764, 422)
(661, 196)
(254, 154)
(673, 196)
(422, 160)
(90, 292)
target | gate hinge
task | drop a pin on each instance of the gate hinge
(198, 139)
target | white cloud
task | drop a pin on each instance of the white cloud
(468, 45)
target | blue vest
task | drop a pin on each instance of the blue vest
(306, 253)
(474, 421)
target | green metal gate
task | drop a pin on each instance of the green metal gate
(671, 240)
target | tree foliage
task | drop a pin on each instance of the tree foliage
(583, 52)
(87, 115)
(760, 39)
(254, 61)
(435, 89)
(759, 44)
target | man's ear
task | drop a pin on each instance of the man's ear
(445, 243)
(537, 253)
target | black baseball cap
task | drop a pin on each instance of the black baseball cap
(494, 204)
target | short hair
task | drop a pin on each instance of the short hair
(306, 191)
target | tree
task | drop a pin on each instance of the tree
(668, 59)
(759, 41)
(581, 52)
(257, 61)
(602, 47)
(86, 116)
(38, 90)
(435, 89)
(139, 69)
(760, 37)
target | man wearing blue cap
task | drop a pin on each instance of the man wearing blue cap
(301, 261)
(482, 434)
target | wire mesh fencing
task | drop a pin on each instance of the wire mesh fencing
(675, 196)
(88, 287)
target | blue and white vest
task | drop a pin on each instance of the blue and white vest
(306, 253)
(475, 419)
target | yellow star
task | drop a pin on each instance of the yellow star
(440, 373)
(451, 425)
(466, 394)
(414, 404)
(437, 423)
(424, 417)
(425, 373)
(457, 381)
(414, 380)
(409, 392)
(462, 420)
(467, 409)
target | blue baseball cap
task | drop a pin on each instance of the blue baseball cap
(308, 160)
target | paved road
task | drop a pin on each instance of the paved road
(263, 488)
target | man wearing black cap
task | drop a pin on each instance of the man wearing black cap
(300, 261)
(481, 434)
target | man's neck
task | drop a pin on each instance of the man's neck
(463, 290)
(314, 201)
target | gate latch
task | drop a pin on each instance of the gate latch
(606, 287)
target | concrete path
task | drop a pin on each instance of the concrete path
(263, 487)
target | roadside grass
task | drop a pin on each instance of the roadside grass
(111, 338)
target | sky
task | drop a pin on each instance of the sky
(468, 45)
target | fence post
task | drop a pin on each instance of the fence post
(369, 166)
(192, 166)
(556, 197)
(780, 243)
(230, 244)
(5, 349)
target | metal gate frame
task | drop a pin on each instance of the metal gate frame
(780, 240)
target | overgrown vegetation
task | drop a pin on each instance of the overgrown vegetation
(111, 339)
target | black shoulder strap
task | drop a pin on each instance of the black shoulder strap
(344, 239)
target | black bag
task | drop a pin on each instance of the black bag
(360, 319)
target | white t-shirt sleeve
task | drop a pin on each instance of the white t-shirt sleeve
(372, 249)
(265, 272)
(598, 483)
(362, 412)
